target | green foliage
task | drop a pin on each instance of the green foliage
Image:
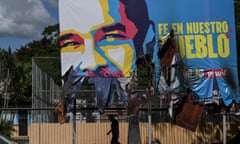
(6, 127)
(16, 67)
(15, 76)
(52, 67)
(52, 31)
(48, 46)
(142, 77)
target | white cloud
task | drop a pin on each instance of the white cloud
(24, 18)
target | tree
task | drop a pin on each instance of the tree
(14, 79)
(47, 46)
(15, 76)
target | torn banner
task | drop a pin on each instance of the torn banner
(103, 39)
(206, 41)
(107, 37)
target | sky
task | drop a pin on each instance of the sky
(22, 21)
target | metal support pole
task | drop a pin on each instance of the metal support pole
(150, 71)
(149, 129)
(224, 129)
(149, 116)
(74, 121)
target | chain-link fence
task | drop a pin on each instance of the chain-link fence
(92, 128)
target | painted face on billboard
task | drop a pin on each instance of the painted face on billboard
(99, 40)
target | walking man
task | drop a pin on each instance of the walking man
(114, 130)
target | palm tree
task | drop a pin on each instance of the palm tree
(5, 60)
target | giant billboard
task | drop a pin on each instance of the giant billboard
(106, 37)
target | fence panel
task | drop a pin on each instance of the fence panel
(209, 130)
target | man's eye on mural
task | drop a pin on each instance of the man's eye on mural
(67, 44)
(71, 40)
(117, 31)
(111, 37)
